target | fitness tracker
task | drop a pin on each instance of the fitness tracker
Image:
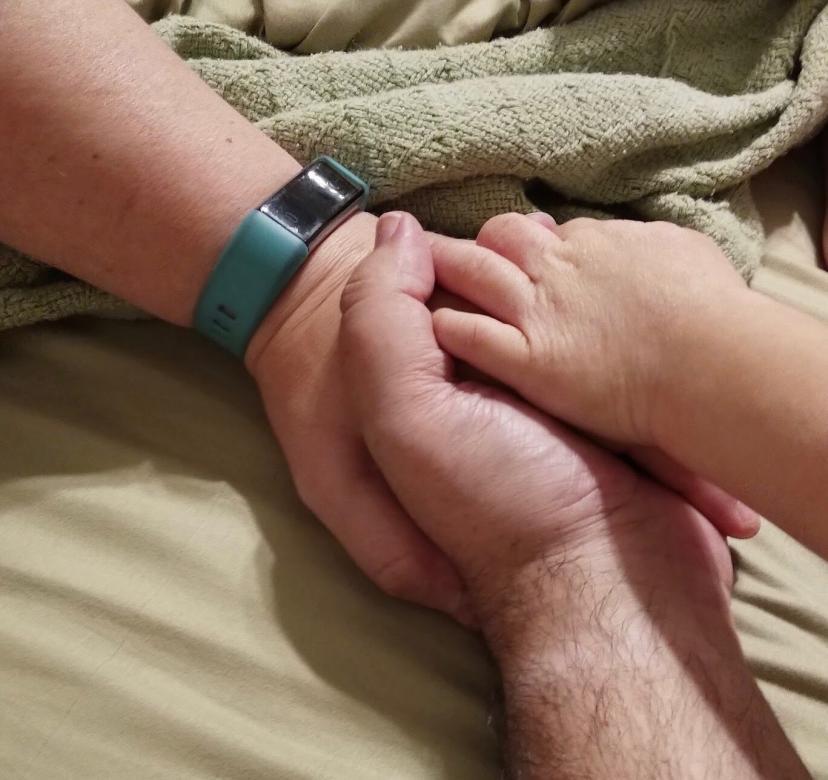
(269, 247)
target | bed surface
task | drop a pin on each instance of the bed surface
(168, 609)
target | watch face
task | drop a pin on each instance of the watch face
(313, 199)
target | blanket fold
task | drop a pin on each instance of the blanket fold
(656, 109)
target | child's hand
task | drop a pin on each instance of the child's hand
(587, 320)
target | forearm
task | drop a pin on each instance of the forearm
(627, 665)
(749, 410)
(125, 169)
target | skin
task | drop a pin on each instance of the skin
(130, 173)
(683, 347)
(603, 596)
(99, 112)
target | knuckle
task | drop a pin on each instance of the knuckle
(578, 225)
(308, 496)
(669, 232)
(667, 228)
(585, 223)
(499, 227)
(475, 336)
(478, 263)
(317, 479)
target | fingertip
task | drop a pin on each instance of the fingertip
(448, 326)
(441, 317)
(730, 515)
(749, 521)
(400, 263)
(387, 226)
(494, 348)
(357, 505)
(545, 220)
(397, 226)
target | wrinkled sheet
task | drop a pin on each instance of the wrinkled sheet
(310, 26)
(167, 608)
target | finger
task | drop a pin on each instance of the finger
(498, 350)
(397, 374)
(442, 299)
(730, 516)
(482, 277)
(356, 505)
(396, 371)
(386, 333)
(462, 372)
(519, 239)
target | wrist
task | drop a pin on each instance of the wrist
(525, 596)
(696, 365)
(655, 551)
(322, 276)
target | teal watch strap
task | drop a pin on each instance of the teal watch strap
(268, 248)
(257, 264)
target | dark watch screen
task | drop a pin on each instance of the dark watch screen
(306, 204)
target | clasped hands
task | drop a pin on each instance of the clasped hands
(491, 475)
(443, 490)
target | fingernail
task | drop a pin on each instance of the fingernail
(387, 227)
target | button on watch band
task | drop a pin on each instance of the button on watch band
(269, 247)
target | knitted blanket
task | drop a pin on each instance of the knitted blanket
(651, 109)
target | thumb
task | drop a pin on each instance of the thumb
(400, 264)
(387, 339)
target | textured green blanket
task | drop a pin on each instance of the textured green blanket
(656, 109)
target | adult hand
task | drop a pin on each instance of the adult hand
(586, 321)
(497, 485)
(599, 592)
(296, 362)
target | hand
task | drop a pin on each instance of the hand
(585, 320)
(496, 484)
(295, 360)
(602, 596)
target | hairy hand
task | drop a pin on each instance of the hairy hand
(495, 483)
